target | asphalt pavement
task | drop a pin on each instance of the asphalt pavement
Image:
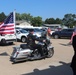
(59, 64)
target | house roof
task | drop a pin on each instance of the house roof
(22, 23)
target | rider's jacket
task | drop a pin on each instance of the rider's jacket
(31, 39)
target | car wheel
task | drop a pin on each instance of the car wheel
(56, 36)
(3, 41)
(23, 39)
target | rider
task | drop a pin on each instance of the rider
(31, 38)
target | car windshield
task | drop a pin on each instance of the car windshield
(67, 30)
(23, 31)
(37, 30)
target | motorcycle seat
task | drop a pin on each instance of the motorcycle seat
(23, 46)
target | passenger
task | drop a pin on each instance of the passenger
(46, 35)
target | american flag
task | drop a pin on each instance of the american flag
(8, 26)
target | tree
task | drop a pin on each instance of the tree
(50, 21)
(2, 17)
(18, 16)
(29, 17)
(58, 21)
(46, 21)
(24, 16)
(36, 21)
(69, 20)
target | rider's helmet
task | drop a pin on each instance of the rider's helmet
(31, 31)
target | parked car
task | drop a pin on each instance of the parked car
(36, 31)
(21, 35)
(63, 33)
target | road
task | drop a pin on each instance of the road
(59, 64)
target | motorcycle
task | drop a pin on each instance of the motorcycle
(23, 52)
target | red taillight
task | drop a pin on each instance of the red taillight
(17, 52)
(25, 53)
(59, 29)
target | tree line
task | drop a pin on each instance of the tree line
(68, 19)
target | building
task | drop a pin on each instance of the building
(22, 23)
(54, 26)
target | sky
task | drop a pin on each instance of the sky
(43, 8)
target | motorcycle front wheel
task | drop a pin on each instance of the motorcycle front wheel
(50, 53)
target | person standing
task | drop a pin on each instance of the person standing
(73, 62)
(49, 31)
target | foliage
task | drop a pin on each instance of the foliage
(2, 17)
(23, 16)
(58, 21)
(53, 21)
(36, 21)
(68, 20)
(18, 16)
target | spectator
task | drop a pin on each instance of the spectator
(49, 31)
(73, 63)
(74, 33)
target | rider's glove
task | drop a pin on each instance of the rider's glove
(44, 40)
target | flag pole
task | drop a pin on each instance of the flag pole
(14, 18)
(15, 23)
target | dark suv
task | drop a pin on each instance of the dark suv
(63, 33)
